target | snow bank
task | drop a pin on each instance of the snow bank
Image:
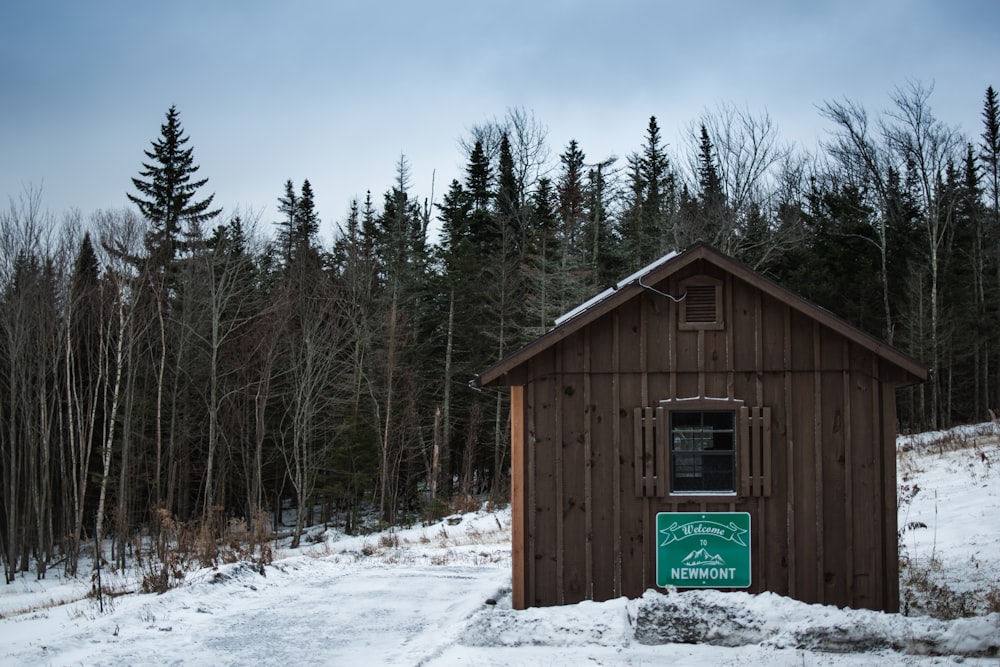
(738, 619)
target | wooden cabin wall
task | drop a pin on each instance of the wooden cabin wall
(827, 531)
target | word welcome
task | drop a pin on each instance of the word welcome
(730, 533)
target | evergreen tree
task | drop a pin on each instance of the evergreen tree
(990, 154)
(542, 262)
(966, 328)
(306, 220)
(168, 195)
(570, 190)
(298, 226)
(705, 215)
(646, 230)
(989, 158)
(712, 195)
(508, 197)
(287, 233)
(604, 262)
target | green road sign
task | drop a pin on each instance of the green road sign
(703, 549)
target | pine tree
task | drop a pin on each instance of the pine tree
(570, 190)
(646, 232)
(604, 262)
(712, 194)
(508, 197)
(989, 158)
(167, 195)
(306, 219)
(990, 152)
(708, 217)
(287, 233)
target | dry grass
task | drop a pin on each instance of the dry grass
(182, 547)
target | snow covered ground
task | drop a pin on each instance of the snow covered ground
(440, 595)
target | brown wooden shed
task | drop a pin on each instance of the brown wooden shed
(698, 385)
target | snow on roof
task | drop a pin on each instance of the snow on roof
(593, 301)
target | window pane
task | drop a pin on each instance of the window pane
(692, 439)
(703, 451)
(722, 441)
(685, 418)
(720, 421)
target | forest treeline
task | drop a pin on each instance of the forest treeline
(168, 362)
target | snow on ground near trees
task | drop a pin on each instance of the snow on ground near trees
(423, 596)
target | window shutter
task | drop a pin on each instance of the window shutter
(651, 460)
(755, 452)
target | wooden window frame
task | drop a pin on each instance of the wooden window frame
(752, 449)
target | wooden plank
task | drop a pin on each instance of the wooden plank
(772, 335)
(605, 466)
(631, 547)
(757, 454)
(588, 459)
(572, 485)
(789, 482)
(548, 519)
(741, 323)
(672, 314)
(649, 452)
(745, 451)
(546, 511)
(866, 490)
(662, 453)
(890, 553)
(701, 363)
(729, 331)
(818, 463)
(657, 332)
(767, 468)
(637, 444)
(761, 547)
(644, 350)
(642, 526)
(557, 505)
(687, 351)
(531, 507)
(835, 528)
(628, 331)
(774, 501)
(617, 459)
(850, 592)
(758, 346)
(517, 498)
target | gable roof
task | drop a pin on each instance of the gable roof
(630, 287)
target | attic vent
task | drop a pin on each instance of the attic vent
(700, 303)
(701, 307)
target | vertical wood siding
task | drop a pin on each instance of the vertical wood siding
(817, 420)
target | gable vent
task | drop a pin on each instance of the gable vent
(701, 307)
(701, 304)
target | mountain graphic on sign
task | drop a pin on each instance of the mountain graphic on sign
(702, 557)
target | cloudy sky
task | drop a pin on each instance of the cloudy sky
(335, 91)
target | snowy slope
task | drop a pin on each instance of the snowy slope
(439, 595)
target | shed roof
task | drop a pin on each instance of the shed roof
(629, 288)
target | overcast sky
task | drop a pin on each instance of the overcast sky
(336, 91)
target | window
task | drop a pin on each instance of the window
(703, 451)
(702, 446)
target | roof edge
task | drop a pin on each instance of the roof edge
(606, 301)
